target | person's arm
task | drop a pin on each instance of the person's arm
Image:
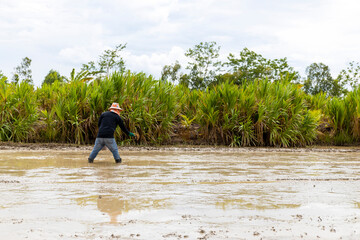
(124, 129)
(101, 117)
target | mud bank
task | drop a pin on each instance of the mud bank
(194, 148)
(157, 193)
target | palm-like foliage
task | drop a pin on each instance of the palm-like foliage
(344, 117)
(18, 112)
(257, 113)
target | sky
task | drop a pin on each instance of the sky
(64, 34)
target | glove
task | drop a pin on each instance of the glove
(136, 135)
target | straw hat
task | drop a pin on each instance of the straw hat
(115, 106)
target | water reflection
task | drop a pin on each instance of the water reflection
(115, 206)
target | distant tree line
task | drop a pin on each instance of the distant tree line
(204, 69)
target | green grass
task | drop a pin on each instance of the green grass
(259, 113)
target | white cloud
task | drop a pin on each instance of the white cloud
(75, 54)
(64, 34)
(153, 64)
(318, 31)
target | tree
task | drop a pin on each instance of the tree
(53, 76)
(319, 80)
(111, 59)
(204, 65)
(3, 77)
(351, 75)
(170, 72)
(90, 67)
(185, 80)
(23, 72)
(251, 66)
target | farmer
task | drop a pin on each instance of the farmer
(107, 124)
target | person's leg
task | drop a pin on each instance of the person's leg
(99, 144)
(112, 146)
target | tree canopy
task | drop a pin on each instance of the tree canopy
(2, 76)
(110, 60)
(351, 75)
(251, 65)
(319, 80)
(203, 65)
(204, 69)
(23, 72)
(53, 76)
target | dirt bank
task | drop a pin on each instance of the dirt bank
(197, 148)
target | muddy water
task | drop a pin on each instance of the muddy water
(179, 195)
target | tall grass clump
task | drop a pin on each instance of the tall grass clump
(259, 113)
(150, 105)
(344, 118)
(70, 111)
(256, 113)
(64, 111)
(18, 113)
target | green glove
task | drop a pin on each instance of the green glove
(131, 134)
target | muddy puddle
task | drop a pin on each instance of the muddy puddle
(52, 194)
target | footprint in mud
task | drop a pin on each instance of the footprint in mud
(298, 216)
(207, 235)
(178, 236)
(113, 236)
(9, 181)
(17, 221)
(134, 235)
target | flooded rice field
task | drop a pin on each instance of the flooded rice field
(56, 194)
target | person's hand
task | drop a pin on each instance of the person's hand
(136, 135)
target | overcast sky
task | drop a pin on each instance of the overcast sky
(64, 34)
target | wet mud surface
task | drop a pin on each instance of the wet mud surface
(56, 194)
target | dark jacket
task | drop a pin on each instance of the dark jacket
(108, 122)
